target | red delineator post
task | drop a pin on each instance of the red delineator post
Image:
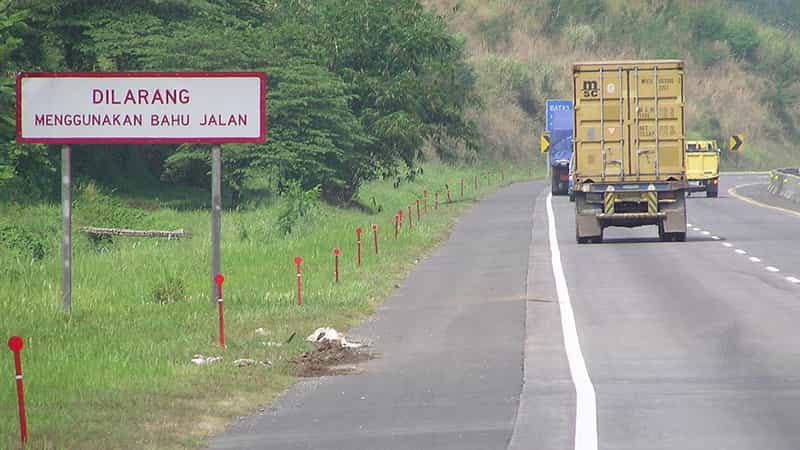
(400, 213)
(462, 189)
(449, 200)
(396, 225)
(418, 213)
(358, 245)
(375, 236)
(425, 201)
(219, 279)
(336, 252)
(410, 221)
(16, 344)
(297, 262)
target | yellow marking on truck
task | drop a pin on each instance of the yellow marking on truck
(652, 202)
(608, 203)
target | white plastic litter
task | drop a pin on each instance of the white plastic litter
(329, 334)
(261, 332)
(244, 362)
(202, 360)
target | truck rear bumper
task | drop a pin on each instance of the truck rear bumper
(631, 219)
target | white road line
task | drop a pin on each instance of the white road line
(586, 403)
(740, 251)
(706, 233)
(688, 224)
(793, 280)
(772, 269)
(695, 229)
(754, 259)
(727, 244)
(716, 238)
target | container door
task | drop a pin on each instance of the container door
(602, 99)
(657, 125)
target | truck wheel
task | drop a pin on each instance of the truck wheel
(554, 187)
(572, 196)
(661, 234)
(677, 237)
(712, 191)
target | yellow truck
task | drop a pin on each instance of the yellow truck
(629, 146)
(702, 167)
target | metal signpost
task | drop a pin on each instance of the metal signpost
(140, 108)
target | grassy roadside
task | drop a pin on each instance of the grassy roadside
(117, 372)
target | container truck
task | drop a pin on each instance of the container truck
(628, 142)
(702, 167)
(558, 124)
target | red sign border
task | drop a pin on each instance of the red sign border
(206, 140)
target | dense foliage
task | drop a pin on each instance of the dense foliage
(355, 89)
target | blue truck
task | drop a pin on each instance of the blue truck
(558, 124)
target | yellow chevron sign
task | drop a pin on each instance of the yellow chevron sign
(544, 143)
(735, 143)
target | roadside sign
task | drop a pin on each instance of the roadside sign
(544, 143)
(558, 115)
(735, 143)
(141, 107)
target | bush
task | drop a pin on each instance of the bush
(580, 36)
(93, 207)
(707, 23)
(299, 204)
(742, 37)
(30, 244)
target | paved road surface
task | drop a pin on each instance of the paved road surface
(691, 345)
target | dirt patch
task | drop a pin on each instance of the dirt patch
(330, 358)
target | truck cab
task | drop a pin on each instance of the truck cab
(702, 167)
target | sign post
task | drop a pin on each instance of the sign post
(15, 344)
(66, 228)
(216, 213)
(68, 108)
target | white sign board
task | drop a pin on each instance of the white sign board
(141, 107)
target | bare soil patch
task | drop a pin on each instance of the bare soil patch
(330, 358)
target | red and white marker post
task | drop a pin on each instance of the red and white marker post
(425, 201)
(396, 225)
(418, 212)
(401, 217)
(16, 344)
(410, 221)
(462, 189)
(336, 253)
(297, 262)
(375, 236)
(219, 279)
(449, 200)
(358, 245)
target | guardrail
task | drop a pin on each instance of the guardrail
(785, 183)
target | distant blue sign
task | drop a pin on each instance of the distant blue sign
(558, 115)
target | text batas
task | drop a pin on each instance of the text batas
(141, 107)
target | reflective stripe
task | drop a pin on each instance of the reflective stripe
(18, 377)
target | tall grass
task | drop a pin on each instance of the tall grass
(116, 372)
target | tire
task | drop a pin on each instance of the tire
(664, 237)
(572, 196)
(712, 190)
(554, 185)
(676, 237)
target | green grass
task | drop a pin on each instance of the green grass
(116, 372)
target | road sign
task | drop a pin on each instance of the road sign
(735, 143)
(141, 107)
(544, 143)
(558, 115)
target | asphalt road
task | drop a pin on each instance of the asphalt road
(691, 345)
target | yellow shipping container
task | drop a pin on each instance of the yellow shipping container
(629, 145)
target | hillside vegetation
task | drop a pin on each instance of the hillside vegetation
(743, 60)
